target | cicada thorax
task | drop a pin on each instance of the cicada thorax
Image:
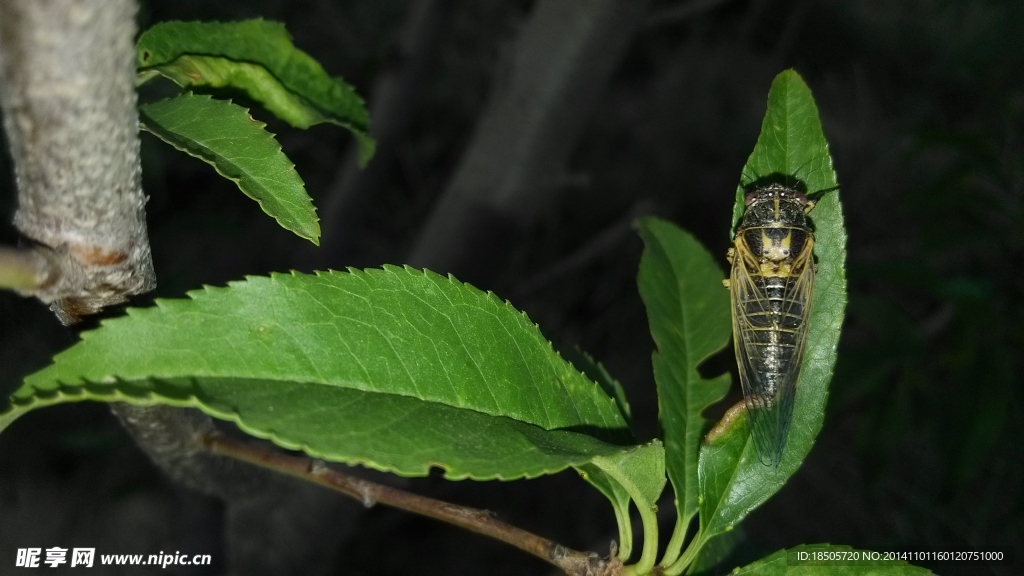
(771, 282)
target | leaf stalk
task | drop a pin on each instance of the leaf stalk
(689, 555)
(649, 554)
(675, 544)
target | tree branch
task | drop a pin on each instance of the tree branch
(572, 562)
(274, 526)
(67, 82)
(24, 271)
(516, 160)
(173, 439)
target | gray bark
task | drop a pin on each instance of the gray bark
(516, 161)
(172, 438)
(275, 525)
(67, 82)
(68, 86)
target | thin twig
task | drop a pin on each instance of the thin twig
(23, 270)
(572, 562)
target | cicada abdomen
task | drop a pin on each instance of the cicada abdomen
(771, 282)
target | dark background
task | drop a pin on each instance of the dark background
(922, 103)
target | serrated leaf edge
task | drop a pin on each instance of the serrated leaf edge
(283, 30)
(168, 304)
(87, 392)
(270, 136)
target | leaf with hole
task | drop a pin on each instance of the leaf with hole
(688, 311)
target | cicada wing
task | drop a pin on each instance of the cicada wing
(797, 310)
(748, 301)
(769, 397)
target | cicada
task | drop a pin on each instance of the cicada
(771, 283)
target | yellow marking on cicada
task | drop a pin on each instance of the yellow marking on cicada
(770, 269)
(775, 258)
(794, 265)
(729, 255)
(770, 318)
(775, 250)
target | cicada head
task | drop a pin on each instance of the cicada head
(776, 205)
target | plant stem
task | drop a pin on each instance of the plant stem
(67, 89)
(23, 270)
(649, 553)
(689, 555)
(675, 543)
(572, 562)
(624, 524)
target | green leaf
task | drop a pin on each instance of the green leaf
(791, 143)
(397, 369)
(717, 473)
(257, 82)
(716, 552)
(733, 482)
(620, 500)
(688, 311)
(240, 149)
(792, 562)
(258, 58)
(640, 469)
(598, 373)
(604, 482)
(637, 475)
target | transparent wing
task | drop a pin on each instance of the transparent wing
(798, 308)
(769, 384)
(749, 303)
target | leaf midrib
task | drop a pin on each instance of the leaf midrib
(88, 386)
(732, 479)
(86, 393)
